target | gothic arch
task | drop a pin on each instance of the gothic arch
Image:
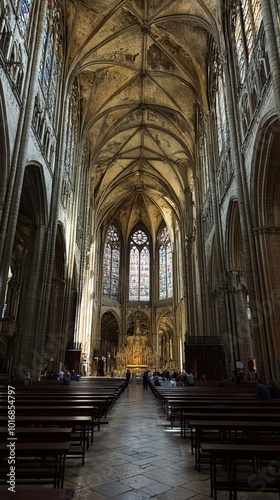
(265, 195)
(4, 150)
(167, 344)
(234, 245)
(27, 261)
(109, 340)
(265, 192)
(236, 292)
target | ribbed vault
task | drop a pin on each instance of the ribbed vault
(141, 66)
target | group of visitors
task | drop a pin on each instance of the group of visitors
(66, 376)
(173, 380)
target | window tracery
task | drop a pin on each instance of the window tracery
(220, 107)
(72, 130)
(24, 16)
(247, 17)
(111, 263)
(165, 265)
(49, 67)
(139, 266)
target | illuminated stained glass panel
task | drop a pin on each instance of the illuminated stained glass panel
(134, 273)
(248, 28)
(257, 13)
(165, 266)
(111, 264)
(221, 115)
(24, 19)
(107, 270)
(139, 267)
(247, 20)
(205, 166)
(239, 44)
(72, 131)
(169, 272)
(144, 274)
(51, 55)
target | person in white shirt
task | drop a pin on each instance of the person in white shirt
(190, 379)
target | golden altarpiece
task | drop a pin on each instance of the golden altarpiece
(137, 353)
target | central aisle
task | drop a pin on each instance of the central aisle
(136, 457)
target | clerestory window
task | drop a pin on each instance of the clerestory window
(247, 17)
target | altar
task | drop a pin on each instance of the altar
(137, 369)
(136, 354)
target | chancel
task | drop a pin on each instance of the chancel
(137, 355)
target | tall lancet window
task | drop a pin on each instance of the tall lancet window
(24, 16)
(220, 105)
(51, 55)
(111, 264)
(72, 130)
(165, 266)
(247, 17)
(139, 266)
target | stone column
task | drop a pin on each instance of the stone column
(272, 51)
(245, 216)
(55, 347)
(17, 169)
(30, 336)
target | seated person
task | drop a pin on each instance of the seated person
(274, 390)
(224, 382)
(27, 379)
(179, 382)
(66, 380)
(262, 391)
(156, 381)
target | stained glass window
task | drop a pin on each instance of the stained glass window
(239, 45)
(51, 55)
(165, 265)
(221, 107)
(72, 131)
(139, 266)
(204, 166)
(24, 19)
(111, 264)
(247, 18)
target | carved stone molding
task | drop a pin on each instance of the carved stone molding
(266, 230)
(8, 328)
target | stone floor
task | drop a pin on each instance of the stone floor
(136, 456)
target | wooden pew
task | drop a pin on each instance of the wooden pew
(233, 478)
(84, 422)
(38, 493)
(253, 431)
(26, 456)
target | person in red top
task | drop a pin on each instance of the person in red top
(179, 382)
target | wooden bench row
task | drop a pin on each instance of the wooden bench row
(70, 416)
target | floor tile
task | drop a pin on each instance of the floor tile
(138, 457)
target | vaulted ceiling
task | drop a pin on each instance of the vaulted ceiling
(142, 68)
